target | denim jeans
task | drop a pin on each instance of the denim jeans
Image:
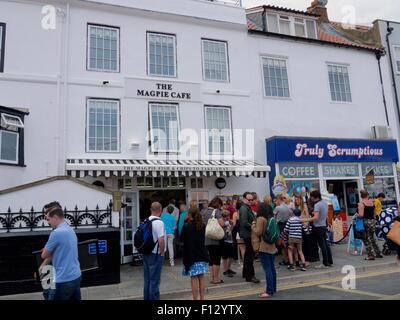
(70, 290)
(268, 264)
(152, 265)
(48, 294)
(320, 235)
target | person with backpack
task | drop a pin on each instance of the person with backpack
(195, 256)
(265, 234)
(150, 242)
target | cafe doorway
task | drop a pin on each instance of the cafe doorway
(347, 192)
(147, 197)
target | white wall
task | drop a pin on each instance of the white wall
(68, 193)
(32, 61)
(309, 111)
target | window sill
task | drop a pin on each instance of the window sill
(12, 164)
(278, 98)
(105, 71)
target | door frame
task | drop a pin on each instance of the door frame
(135, 198)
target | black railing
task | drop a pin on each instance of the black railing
(36, 221)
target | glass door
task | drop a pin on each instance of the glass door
(129, 224)
(352, 196)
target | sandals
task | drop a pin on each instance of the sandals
(264, 295)
(221, 281)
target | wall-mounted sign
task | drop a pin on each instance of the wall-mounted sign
(340, 170)
(102, 247)
(288, 149)
(220, 183)
(161, 90)
(380, 169)
(297, 170)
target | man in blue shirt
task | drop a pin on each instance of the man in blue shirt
(62, 249)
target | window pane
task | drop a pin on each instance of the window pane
(272, 21)
(161, 55)
(103, 48)
(311, 29)
(215, 62)
(300, 30)
(164, 127)
(284, 26)
(339, 83)
(8, 148)
(219, 130)
(103, 125)
(275, 78)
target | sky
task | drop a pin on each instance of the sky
(348, 11)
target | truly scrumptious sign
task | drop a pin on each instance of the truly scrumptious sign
(282, 149)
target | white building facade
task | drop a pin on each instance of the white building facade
(161, 99)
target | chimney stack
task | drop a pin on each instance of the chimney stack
(319, 7)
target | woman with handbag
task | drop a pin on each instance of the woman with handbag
(366, 211)
(212, 218)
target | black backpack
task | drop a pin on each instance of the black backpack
(143, 240)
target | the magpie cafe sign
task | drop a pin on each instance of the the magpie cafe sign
(160, 90)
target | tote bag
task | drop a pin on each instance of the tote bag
(213, 229)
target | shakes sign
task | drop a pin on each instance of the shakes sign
(160, 90)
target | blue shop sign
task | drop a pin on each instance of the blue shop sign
(295, 149)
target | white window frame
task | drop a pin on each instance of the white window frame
(303, 24)
(118, 127)
(173, 36)
(345, 65)
(2, 45)
(152, 144)
(206, 107)
(17, 148)
(286, 59)
(20, 124)
(292, 22)
(226, 60)
(89, 25)
(396, 58)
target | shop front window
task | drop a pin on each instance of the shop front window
(296, 186)
(382, 185)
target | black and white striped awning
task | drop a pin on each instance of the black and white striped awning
(80, 168)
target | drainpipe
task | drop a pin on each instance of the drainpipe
(64, 112)
(264, 19)
(389, 32)
(379, 55)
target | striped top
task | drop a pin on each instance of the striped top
(294, 228)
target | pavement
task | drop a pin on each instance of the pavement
(174, 286)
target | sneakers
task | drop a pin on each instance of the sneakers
(227, 274)
(231, 271)
(379, 256)
(292, 268)
(172, 263)
(303, 267)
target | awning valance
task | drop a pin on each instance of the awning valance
(80, 168)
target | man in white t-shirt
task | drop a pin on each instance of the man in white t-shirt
(152, 263)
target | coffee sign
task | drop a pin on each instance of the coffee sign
(297, 170)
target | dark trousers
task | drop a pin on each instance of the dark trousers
(320, 235)
(248, 263)
(68, 290)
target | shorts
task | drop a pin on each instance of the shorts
(296, 243)
(214, 252)
(227, 250)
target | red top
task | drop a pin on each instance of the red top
(231, 210)
(254, 207)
